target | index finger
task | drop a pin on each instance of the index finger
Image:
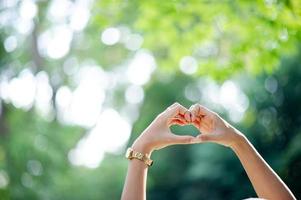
(198, 110)
(176, 109)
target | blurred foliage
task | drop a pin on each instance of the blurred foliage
(208, 171)
(229, 39)
(224, 36)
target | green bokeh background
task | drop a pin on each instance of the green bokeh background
(250, 43)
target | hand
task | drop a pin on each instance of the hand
(158, 135)
(212, 127)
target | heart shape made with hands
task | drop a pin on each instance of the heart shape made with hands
(211, 128)
(160, 134)
(183, 125)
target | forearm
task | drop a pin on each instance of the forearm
(265, 181)
(135, 183)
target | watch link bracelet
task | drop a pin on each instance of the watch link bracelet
(132, 154)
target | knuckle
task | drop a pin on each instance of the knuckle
(200, 106)
(176, 104)
(160, 115)
(193, 108)
(173, 105)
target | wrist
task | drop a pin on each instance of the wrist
(142, 147)
(239, 142)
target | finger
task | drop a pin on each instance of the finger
(196, 124)
(199, 110)
(203, 110)
(206, 124)
(204, 127)
(175, 109)
(187, 116)
(192, 113)
(182, 139)
(197, 120)
(194, 110)
(206, 138)
(177, 122)
(173, 105)
(178, 118)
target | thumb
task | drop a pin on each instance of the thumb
(183, 139)
(206, 138)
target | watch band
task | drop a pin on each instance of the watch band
(132, 154)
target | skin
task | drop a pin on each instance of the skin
(213, 128)
(156, 136)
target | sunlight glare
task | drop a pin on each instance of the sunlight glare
(28, 9)
(110, 134)
(59, 10)
(110, 36)
(79, 18)
(134, 94)
(63, 98)
(141, 67)
(43, 99)
(4, 179)
(55, 42)
(23, 26)
(133, 42)
(234, 100)
(83, 105)
(10, 43)
(22, 90)
(188, 65)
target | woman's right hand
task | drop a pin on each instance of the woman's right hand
(158, 135)
(213, 128)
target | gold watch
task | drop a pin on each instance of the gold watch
(132, 154)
